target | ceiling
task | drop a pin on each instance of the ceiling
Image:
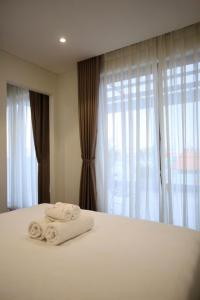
(30, 29)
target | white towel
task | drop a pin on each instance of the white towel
(59, 232)
(62, 212)
(75, 209)
(36, 229)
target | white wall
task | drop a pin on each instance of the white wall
(19, 72)
(67, 144)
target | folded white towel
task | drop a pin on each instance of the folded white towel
(57, 232)
(75, 209)
(62, 212)
(36, 229)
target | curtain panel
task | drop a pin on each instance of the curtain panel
(40, 123)
(179, 103)
(22, 167)
(88, 92)
(148, 144)
(128, 170)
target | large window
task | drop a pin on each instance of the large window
(22, 166)
(148, 148)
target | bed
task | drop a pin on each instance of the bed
(119, 259)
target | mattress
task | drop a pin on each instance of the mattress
(119, 259)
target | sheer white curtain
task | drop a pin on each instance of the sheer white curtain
(179, 65)
(21, 159)
(148, 147)
(127, 164)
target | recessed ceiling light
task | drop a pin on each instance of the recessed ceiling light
(62, 40)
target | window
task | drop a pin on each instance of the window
(21, 159)
(148, 143)
(135, 145)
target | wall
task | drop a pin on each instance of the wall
(67, 144)
(19, 72)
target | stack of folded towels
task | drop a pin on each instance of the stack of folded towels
(62, 221)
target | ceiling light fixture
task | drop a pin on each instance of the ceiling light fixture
(62, 40)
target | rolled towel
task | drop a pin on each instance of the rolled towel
(36, 229)
(62, 212)
(57, 232)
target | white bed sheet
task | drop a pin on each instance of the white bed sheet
(120, 259)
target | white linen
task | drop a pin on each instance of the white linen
(63, 212)
(59, 232)
(22, 166)
(120, 258)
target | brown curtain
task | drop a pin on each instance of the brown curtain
(40, 122)
(88, 90)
